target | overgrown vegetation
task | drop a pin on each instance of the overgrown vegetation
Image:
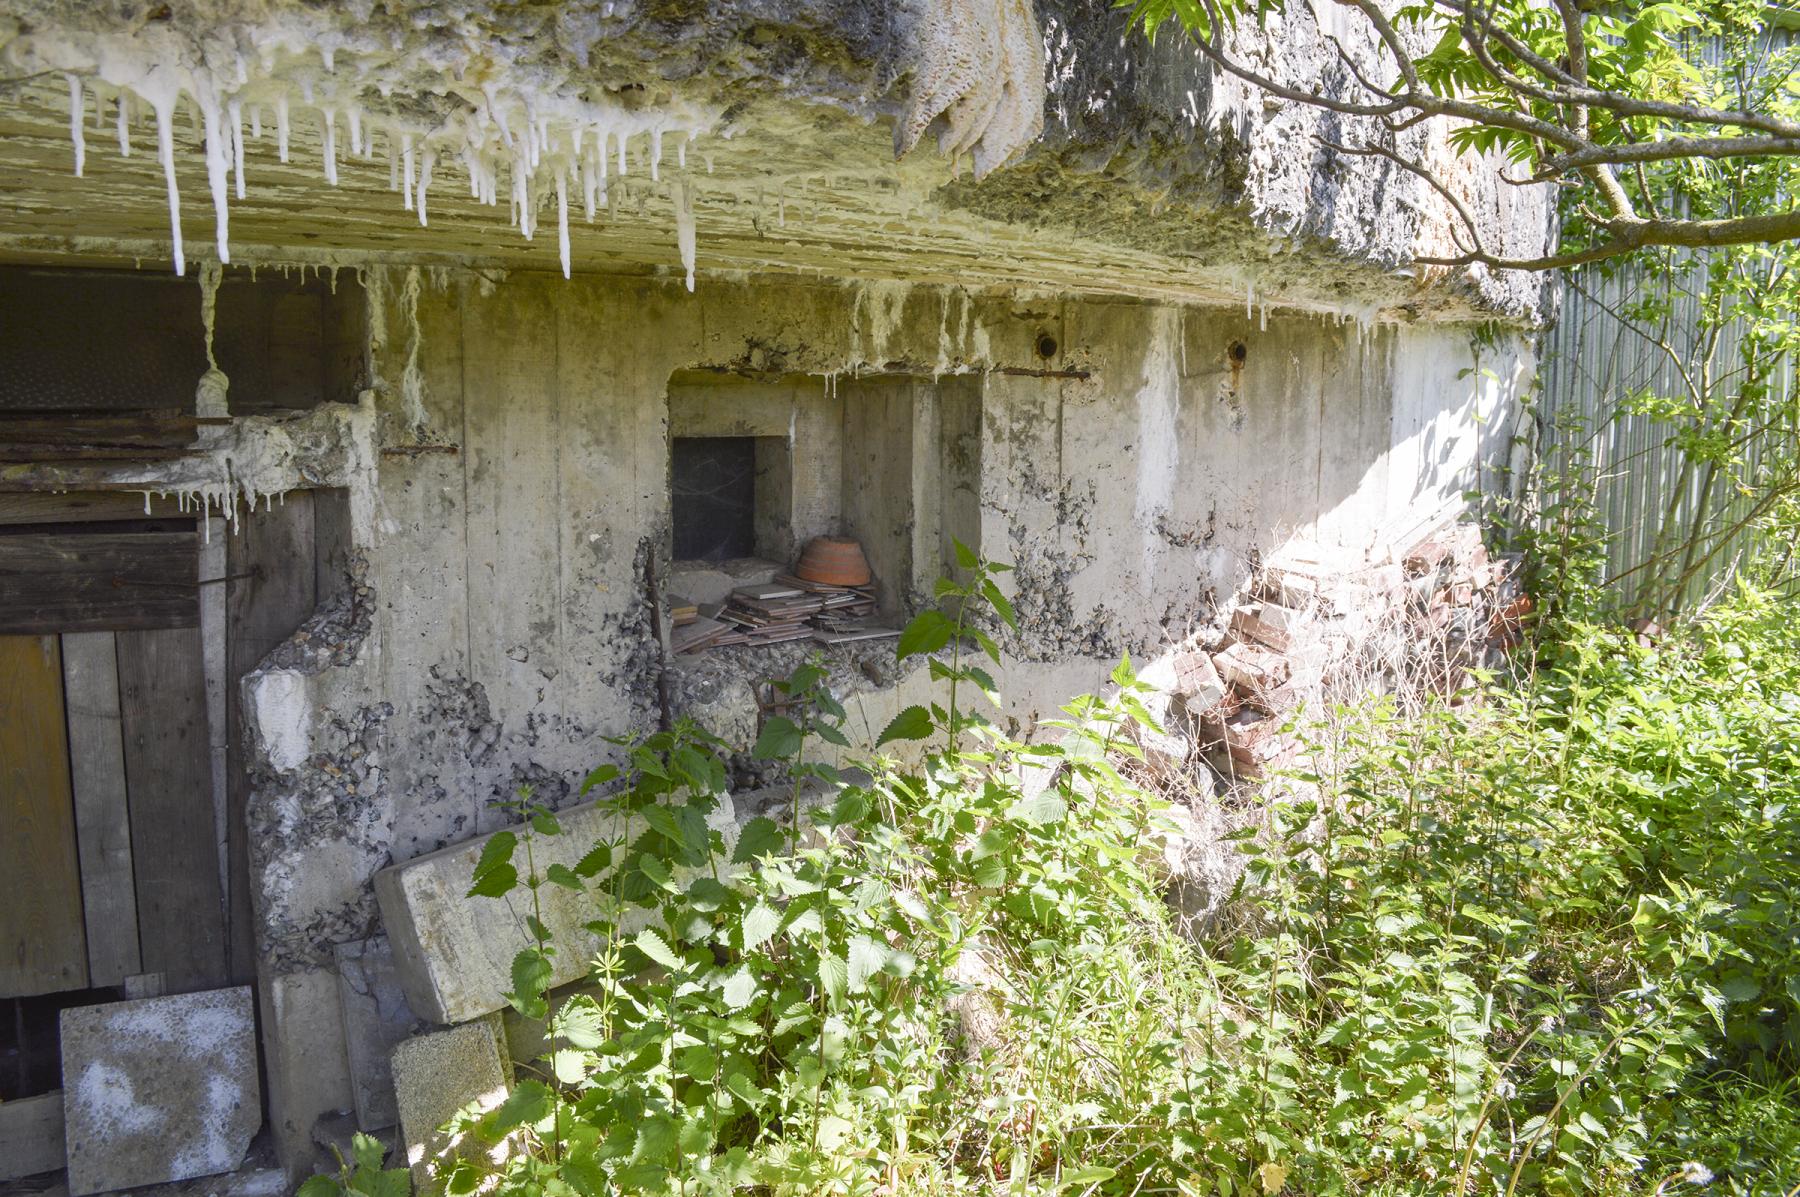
(1544, 942)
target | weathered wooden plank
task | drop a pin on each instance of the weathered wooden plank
(275, 548)
(42, 948)
(81, 507)
(162, 700)
(102, 816)
(57, 582)
(31, 1135)
(24, 452)
(165, 429)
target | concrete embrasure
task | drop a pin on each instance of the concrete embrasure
(436, 1075)
(159, 1090)
(376, 1018)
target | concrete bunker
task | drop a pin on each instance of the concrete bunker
(452, 450)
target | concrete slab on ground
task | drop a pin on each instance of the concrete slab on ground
(159, 1090)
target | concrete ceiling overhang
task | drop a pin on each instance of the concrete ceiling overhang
(1154, 176)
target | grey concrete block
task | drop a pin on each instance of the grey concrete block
(159, 1090)
(454, 953)
(439, 1073)
(376, 1017)
(309, 1073)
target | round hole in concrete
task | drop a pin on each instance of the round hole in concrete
(1046, 346)
(1236, 353)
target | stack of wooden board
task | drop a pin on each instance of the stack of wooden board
(786, 609)
(770, 613)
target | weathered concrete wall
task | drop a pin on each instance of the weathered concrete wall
(1131, 460)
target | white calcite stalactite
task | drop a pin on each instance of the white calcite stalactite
(165, 152)
(77, 102)
(683, 194)
(217, 169)
(236, 109)
(562, 221)
(475, 104)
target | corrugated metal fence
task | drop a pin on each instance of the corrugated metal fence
(1607, 352)
(1608, 349)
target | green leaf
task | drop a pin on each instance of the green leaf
(656, 1137)
(1000, 603)
(1740, 988)
(914, 723)
(760, 922)
(658, 872)
(707, 894)
(1093, 1174)
(545, 823)
(760, 837)
(595, 862)
(739, 989)
(779, 741)
(654, 946)
(496, 882)
(867, 957)
(1044, 808)
(965, 556)
(585, 1174)
(743, 1088)
(464, 1178)
(367, 1151)
(494, 874)
(529, 1103)
(531, 974)
(579, 1023)
(929, 631)
(319, 1186)
(569, 1066)
(563, 875)
(990, 873)
(834, 974)
(599, 777)
(698, 1061)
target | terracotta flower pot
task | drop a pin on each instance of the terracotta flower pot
(833, 561)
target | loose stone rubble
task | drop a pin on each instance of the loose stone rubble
(1321, 626)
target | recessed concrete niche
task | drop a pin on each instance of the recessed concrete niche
(892, 460)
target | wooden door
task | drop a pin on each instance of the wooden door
(43, 947)
(174, 839)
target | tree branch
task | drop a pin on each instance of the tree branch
(1638, 234)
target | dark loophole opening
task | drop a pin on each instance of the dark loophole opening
(1046, 346)
(712, 492)
(1237, 353)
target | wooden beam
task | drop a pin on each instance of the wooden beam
(82, 507)
(175, 861)
(42, 946)
(102, 816)
(31, 1135)
(76, 582)
(155, 429)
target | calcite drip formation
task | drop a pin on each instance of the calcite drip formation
(454, 92)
